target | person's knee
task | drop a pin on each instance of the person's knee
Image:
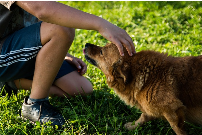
(58, 33)
(74, 84)
(82, 87)
(87, 88)
(65, 33)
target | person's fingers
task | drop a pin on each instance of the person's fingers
(127, 44)
(119, 37)
(128, 47)
(120, 47)
(125, 41)
(131, 44)
(77, 65)
(83, 67)
(83, 71)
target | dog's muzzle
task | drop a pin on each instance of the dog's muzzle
(90, 60)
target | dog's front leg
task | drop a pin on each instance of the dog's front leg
(176, 120)
(143, 119)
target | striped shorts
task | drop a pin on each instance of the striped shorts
(18, 55)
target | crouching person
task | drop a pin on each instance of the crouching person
(34, 53)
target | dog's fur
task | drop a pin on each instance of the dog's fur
(161, 86)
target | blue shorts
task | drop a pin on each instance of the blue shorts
(18, 55)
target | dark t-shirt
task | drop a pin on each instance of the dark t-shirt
(20, 19)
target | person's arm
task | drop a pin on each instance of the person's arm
(60, 14)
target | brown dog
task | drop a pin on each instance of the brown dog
(160, 86)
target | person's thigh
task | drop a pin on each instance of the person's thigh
(71, 82)
(74, 84)
(68, 81)
(18, 54)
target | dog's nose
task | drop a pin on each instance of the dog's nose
(84, 51)
(87, 44)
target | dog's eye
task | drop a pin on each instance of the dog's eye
(101, 52)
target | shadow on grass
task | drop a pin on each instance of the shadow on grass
(99, 113)
(104, 113)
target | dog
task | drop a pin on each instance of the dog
(161, 86)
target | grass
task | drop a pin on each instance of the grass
(171, 27)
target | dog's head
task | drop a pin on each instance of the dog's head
(109, 61)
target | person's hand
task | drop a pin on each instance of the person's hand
(117, 36)
(81, 66)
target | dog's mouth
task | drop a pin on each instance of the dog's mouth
(90, 60)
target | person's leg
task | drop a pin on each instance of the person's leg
(26, 84)
(68, 85)
(44, 47)
(74, 84)
(56, 41)
(68, 82)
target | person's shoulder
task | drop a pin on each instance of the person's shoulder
(7, 4)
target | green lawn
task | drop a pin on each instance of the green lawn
(171, 27)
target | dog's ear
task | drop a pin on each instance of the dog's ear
(125, 72)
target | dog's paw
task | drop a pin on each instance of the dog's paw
(130, 126)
